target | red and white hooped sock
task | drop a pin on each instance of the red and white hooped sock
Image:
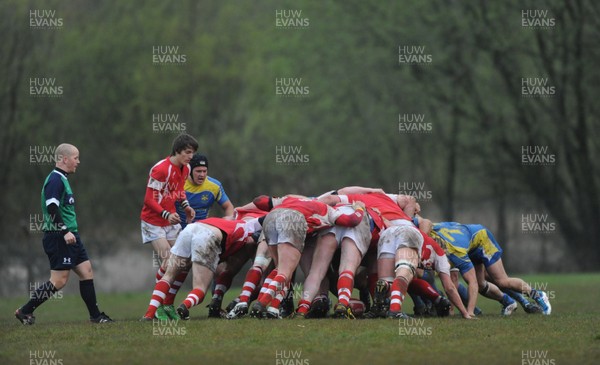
(195, 297)
(345, 285)
(159, 274)
(158, 296)
(266, 284)
(399, 287)
(250, 283)
(276, 285)
(170, 299)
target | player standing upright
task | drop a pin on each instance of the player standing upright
(203, 191)
(160, 222)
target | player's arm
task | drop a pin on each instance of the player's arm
(408, 204)
(353, 219)
(153, 188)
(425, 225)
(266, 203)
(473, 290)
(359, 190)
(190, 213)
(52, 193)
(228, 208)
(224, 202)
(452, 293)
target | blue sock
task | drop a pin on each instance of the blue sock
(506, 300)
(464, 296)
(518, 297)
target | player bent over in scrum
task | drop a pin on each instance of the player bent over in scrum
(354, 243)
(433, 257)
(202, 242)
(285, 228)
(474, 251)
(397, 256)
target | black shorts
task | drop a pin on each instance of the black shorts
(61, 255)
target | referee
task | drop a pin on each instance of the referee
(61, 241)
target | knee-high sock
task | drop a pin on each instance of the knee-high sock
(424, 289)
(175, 287)
(222, 284)
(158, 296)
(195, 297)
(345, 285)
(276, 285)
(266, 284)
(37, 297)
(88, 294)
(250, 283)
(399, 287)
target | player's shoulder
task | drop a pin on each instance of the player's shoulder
(211, 184)
(212, 180)
(161, 167)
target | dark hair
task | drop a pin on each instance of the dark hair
(183, 141)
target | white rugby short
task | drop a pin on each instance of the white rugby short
(151, 232)
(396, 237)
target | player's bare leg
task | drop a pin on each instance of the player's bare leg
(349, 261)
(499, 276)
(405, 266)
(323, 253)
(203, 277)
(490, 290)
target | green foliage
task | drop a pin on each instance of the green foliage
(348, 124)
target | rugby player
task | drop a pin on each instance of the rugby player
(474, 251)
(286, 226)
(160, 221)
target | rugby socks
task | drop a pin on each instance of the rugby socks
(275, 303)
(170, 298)
(88, 294)
(195, 297)
(399, 287)
(345, 285)
(222, 284)
(506, 300)
(158, 296)
(39, 296)
(266, 284)
(159, 274)
(250, 283)
(277, 284)
(303, 306)
(424, 289)
(518, 297)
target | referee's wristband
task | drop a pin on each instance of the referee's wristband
(165, 214)
(185, 204)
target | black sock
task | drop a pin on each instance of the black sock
(37, 297)
(88, 294)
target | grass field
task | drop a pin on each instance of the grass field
(61, 335)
